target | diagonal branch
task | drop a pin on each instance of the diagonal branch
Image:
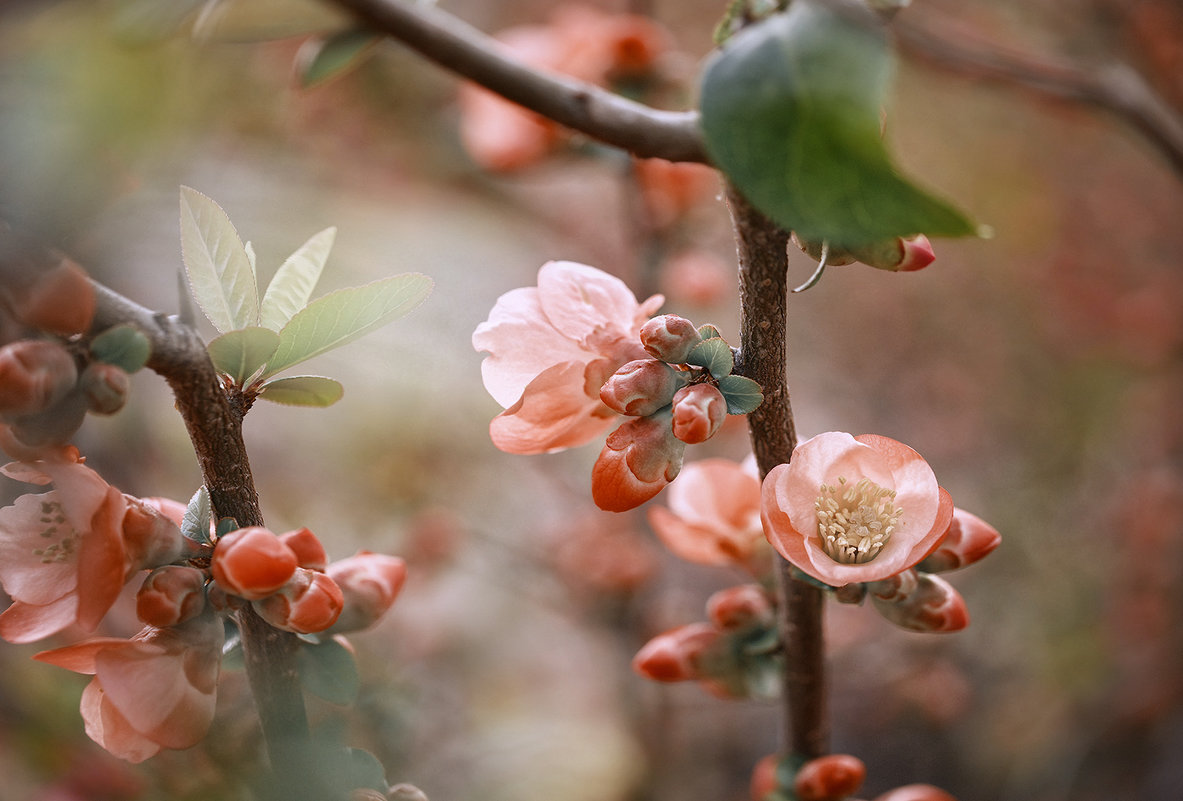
(589, 109)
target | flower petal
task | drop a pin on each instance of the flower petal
(553, 413)
(578, 299)
(22, 622)
(110, 729)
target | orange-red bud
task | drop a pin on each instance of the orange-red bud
(309, 603)
(641, 387)
(34, 375)
(309, 551)
(60, 301)
(637, 461)
(252, 563)
(673, 655)
(106, 387)
(764, 777)
(737, 607)
(968, 539)
(369, 582)
(829, 778)
(699, 412)
(170, 595)
(670, 338)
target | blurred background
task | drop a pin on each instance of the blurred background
(1040, 372)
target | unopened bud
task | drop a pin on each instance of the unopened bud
(60, 301)
(829, 778)
(674, 655)
(309, 551)
(699, 411)
(641, 387)
(150, 537)
(369, 582)
(670, 338)
(309, 603)
(968, 539)
(738, 607)
(34, 376)
(897, 255)
(252, 563)
(170, 595)
(919, 602)
(637, 461)
(764, 780)
(106, 387)
(916, 792)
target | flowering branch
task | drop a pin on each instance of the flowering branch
(602, 115)
(761, 246)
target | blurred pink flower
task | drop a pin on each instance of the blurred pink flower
(714, 514)
(854, 509)
(156, 690)
(66, 554)
(551, 349)
(674, 655)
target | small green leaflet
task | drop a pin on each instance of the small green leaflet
(323, 58)
(742, 394)
(292, 285)
(715, 355)
(122, 345)
(219, 267)
(342, 316)
(239, 354)
(791, 113)
(195, 524)
(302, 390)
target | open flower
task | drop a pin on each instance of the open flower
(714, 514)
(156, 690)
(854, 509)
(551, 349)
(66, 554)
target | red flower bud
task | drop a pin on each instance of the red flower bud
(638, 459)
(968, 539)
(916, 792)
(764, 779)
(641, 387)
(309, 603)
(699, 412)
(34, 375)
(307, 548)
(170, 595)
(252, 563)
(369, 582)
(59, 301)
(829, 778)
(106, 387)
(919, 602)
(673, 655)
(670, 338)
(738, 607)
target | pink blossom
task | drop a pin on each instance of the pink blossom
(156, 690)
(854, 509)
(66, 554)
(551, 349)
(714, 514)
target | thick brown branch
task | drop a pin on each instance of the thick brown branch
(1117, 88)
(602, 115)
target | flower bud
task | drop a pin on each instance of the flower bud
(968, 539)
(59, 301)
(252, 563)
(916, 792)
(739, 607)
(641, 387)
(638, 459)
(919, 602)
(34, 376)
(309, 603)
(369, 583)
(54, 425)
(151, 538)
(699, 412)
(764, 780)
(405, 792)
(105, 386)
(309, 552)
(674, 655)
(829, 778)
(897, 255)
(670, 338)
(170, 595)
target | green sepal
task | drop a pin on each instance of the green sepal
(791, 114)
(226, 525)
(742, 394)
(715, 355)
(328, 671)
(303, 390)
(124, 346)
(195, 525)
(327, 57)
(241, 353)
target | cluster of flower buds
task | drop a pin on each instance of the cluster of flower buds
(833, 777)
(50, 378)
(680, 396)
(733, 654)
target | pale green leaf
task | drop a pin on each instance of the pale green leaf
(220, 271)
(293, 283)
(303, 390)
(742, 394)
(198, 513)
(342, 316)
(323, 58)
(239, 354)
(715, 355)
(791, 114)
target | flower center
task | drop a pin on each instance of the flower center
(56, 527)
(855, 522)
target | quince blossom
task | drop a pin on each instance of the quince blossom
(66, 554)
(154, 691)
(551, 349)
(854, 509)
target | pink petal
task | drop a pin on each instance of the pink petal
(110, 729)
(102, 568)
(28, 575)
(81, 656)
(718, 493)
(553, 413)
(22, 622)
(693, 542)
(578, 299)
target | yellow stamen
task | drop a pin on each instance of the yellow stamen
(855, 522)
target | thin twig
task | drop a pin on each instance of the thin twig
(596, 112)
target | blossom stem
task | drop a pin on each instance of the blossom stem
(763, 272)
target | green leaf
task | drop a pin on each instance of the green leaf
(221, 274)
(293, 283)
(303, 390)
(791, 113)
(328, 671)
(742, 394)
(715, 355)
(708, 331)
(342, 316)
(122, 345)
(326, 57)
(239, 354)
(199, 512)
(225, 526)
